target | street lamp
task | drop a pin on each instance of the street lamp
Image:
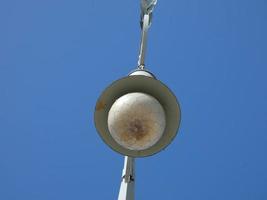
(137, 115)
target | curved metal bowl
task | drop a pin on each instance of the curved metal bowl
(144, 84)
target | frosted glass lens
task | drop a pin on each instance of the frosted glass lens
(136, 121)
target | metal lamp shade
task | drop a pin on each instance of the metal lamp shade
(138, 84)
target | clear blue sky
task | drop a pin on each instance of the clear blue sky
(57, 56)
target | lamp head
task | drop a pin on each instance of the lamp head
(137, 115)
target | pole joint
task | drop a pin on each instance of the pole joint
(127, 182)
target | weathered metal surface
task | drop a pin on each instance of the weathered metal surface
(100, 105)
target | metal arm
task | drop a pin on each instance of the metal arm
(147, 7)
(127, 182)
(145, 23)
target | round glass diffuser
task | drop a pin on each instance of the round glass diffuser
(136, 121)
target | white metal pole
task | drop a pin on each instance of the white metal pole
(127, 182)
